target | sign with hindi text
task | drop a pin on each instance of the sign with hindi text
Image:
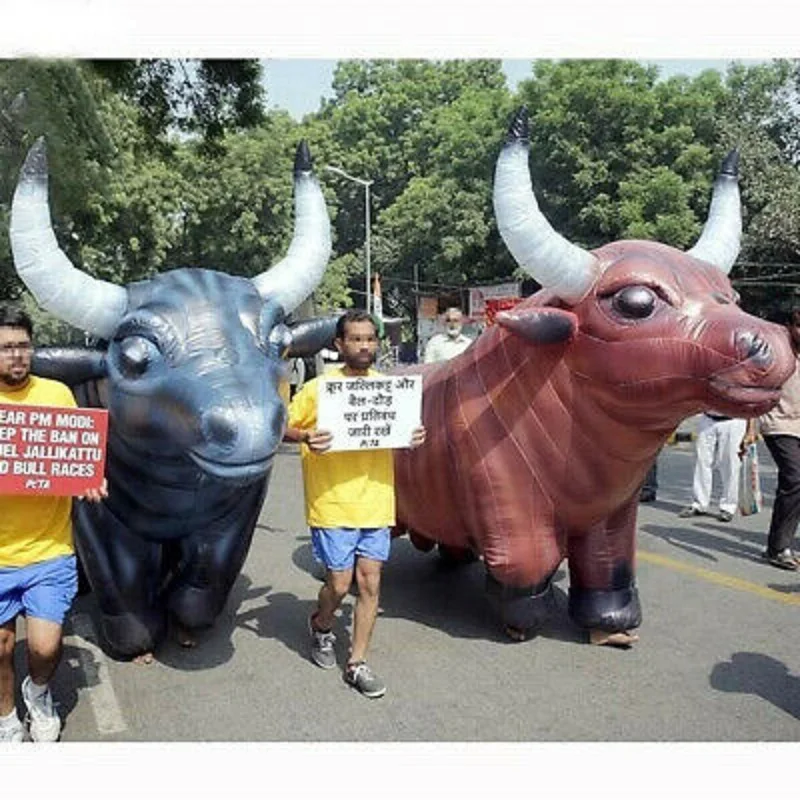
(50, 450)
(370, 413)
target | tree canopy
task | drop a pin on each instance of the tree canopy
(163, 163)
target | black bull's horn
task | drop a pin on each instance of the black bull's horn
(96, 306)
(566, 269)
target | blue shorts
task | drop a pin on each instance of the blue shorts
(44, 590)
(337, 548)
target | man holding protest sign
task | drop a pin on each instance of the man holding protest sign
(38, 570)
(350, 505)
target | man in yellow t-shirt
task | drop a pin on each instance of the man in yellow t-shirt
(350, 509)
(38, 571)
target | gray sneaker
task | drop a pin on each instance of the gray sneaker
(322, 652)
(362, 678)
(43, 720)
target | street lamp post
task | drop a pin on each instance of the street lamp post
(366, 184)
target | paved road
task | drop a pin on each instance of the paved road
(718, 658)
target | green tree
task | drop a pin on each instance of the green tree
(57, 100)
(237, 210)
(616, 153)
(205, 97)
(762, 116)
(425, 133)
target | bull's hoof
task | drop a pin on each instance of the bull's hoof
(621, 639)
(184, 637)
(132, 636)
(516, 634)
(612, 611)
(522, 609)
(143, 659)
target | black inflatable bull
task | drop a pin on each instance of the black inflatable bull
(190, 374)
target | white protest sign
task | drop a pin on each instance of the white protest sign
(369, 413)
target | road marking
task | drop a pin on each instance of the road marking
(720, 578)
(107, 714)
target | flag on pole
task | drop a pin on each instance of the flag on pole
(377, 304)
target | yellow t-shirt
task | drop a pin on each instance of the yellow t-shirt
(346, 489)
(35, 528)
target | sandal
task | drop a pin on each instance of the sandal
(782, 560)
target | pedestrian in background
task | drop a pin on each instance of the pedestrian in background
(719, 440)
(444, 346)
(781, 431)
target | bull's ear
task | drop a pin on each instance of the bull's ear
(70, 365)
(540, 325)
(311, 335)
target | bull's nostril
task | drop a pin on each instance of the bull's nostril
(218, 428)
(753, 348)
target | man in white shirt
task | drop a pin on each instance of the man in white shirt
(444, 346)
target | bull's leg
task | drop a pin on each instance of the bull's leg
(520, 572)
(602, 592)
(208, 564)
(124, 572)
(522, 610)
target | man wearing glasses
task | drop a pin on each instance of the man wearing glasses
(38, 571)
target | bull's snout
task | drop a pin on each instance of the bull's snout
(237, 443)
(751, 346)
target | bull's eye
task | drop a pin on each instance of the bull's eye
(636, 302)
(136, 354)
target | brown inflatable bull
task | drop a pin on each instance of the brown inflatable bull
(540, 434)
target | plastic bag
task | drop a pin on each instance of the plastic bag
(749, 483)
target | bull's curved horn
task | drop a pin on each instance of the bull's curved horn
(294, 277)
(721, 237)
(558, 265)
(92, 305)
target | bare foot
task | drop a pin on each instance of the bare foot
(517, 634)
(143, 659)
(617, 639)
(185, 637)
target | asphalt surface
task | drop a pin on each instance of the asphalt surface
(718, 659)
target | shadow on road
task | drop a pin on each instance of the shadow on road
(421, 588)
(282, 616)
(704, 537)
(785, 588)
(761, 675)
(215, 646)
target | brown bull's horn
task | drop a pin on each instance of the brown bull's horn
(721, 237)
(558, 265)
(295, 277)
(92, 305)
